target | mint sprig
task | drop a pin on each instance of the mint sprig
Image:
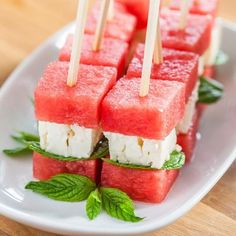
(17, 151)
(23, 138)
(30, 142)
(94, 204)
(117, 204)
(176, 161)
(76, 188)
(64, 187)
(210, 90)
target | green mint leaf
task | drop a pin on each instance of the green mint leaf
(17, 151)
(176, 161)
(28, 136)
(100, 152)
(210, 91)
(221, 58)
(64, 187)
(117, 204)
(35, 146)
(94, 204)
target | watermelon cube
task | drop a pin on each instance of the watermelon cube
(194, 38)
(139, 8)
(201, 7)
(149, 186)
(177, 66)
(151, 117)
(80, 104)
(44, 167)
(188, 141)
(122, 26)
(112, 53)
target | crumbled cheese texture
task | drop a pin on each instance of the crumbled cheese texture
(186, 123)
(210, 55)
(68, 140)
(141, 151)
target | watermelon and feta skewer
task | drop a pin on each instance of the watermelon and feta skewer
(69, 118)
(138, 121)
(210, 7)
(68, 109)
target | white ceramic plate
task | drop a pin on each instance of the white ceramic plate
(214, 154)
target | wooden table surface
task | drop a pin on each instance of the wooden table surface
(24, 24)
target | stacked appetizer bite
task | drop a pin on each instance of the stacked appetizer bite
(69, 119)
(142, 137)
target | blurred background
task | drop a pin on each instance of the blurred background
(24, 24)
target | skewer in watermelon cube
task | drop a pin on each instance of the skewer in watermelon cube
(69, 117)
(121, 26)
(194, 38)
(112, 53)
(179, 66)
(202, 7)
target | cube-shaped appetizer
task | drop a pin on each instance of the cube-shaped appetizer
(113, 53)
(69, 117)
(194, 38)
(122, 25)
(142, 130)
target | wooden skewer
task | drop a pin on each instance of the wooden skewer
(158, 57)
(77, 42)
(153, 16)
(101, 25)
(111, 10)
(183, 14)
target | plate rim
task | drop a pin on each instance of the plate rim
(50, 225)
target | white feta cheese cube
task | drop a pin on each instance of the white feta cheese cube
(68, 140)
(190, 107)
(216, 34)
(141, 151)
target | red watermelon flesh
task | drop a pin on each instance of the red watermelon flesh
(143, 185)
(196, 36)
(177, 66)
(80, 104)
(112, 53)
(201, 7)
(188, 141)
(122, 26)
(152, 117)
(44, 168)
(139, 8)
